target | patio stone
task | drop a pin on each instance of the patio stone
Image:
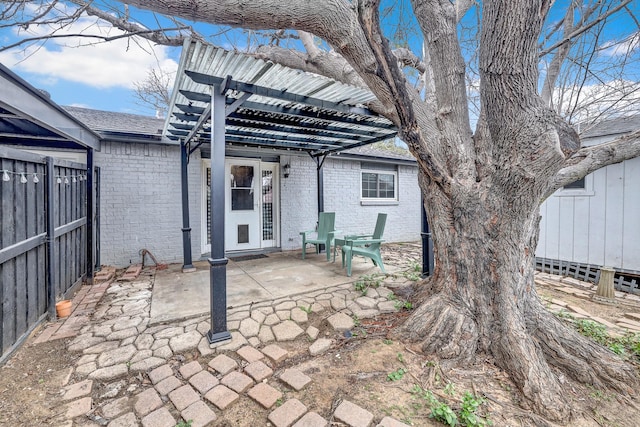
(288, 413)
(147, 402)
(159, 418)
(190, 369)
(141, 355)
(313, 332)
(250, 354)
(78, 389)
(167, 385)
(101, 347)
(285, 305)
(222, 396)
(116, 407)
(163, 352)
(258, 370)
(86, 369)
(271, 319)
(353, 415)
(265, 395)
(341, 322)
(78, 407)
(364, 313)
(203, 381)
(110, 372)
(223, 364)
(237, 341)
(160, 373)
(287, 331)
(237, 382)
(120, 335)
(126, 420)
(199, 414)
(238, 315)
(249, 328)
(82, 342)
(169, 332)
(298, 315)
(311, 419)
(320, 346)
(266, 334)
(338, 303)
(387, 307)
(183, 397)
(284, 315)
(146, 364)
(274, 352)
(185, 342)
(366, 302)
(119, 355)
(258, 316)
(295, 379)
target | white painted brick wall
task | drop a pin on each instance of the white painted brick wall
(342, 195)
(140, 202)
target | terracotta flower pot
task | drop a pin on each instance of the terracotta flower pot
(63, 308)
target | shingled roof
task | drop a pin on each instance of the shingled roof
(120, 125)
(616, 126)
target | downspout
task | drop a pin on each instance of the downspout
(187, 266)
(427, 244)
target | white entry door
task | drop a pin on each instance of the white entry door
(242, 200)
(251, 205)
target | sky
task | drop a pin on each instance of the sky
(103, 76)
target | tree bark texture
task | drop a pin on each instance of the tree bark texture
(482, 191)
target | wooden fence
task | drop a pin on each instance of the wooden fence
(43, 239)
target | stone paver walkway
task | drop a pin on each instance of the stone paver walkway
(116, 341)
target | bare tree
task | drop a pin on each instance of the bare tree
(482, 188)
(155, 90)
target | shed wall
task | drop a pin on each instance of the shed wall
(599, 225)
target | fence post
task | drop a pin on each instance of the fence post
(89, 214)
(50, 252)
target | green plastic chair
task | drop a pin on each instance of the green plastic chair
(324, 236)
(367, 245)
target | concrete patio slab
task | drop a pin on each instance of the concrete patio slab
(178, 295)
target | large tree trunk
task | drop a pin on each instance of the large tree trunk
(482, 299)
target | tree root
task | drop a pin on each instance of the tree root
(581, 358)
(443, 330)
(529, 343)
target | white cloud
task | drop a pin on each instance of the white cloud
(114, 64)
(623, 47)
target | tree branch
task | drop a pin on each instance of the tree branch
(584, 28)
(589, 159)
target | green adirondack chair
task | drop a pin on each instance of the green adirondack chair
(367, 245)
(324, 236)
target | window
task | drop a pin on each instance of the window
(379, 182)
(575, 185)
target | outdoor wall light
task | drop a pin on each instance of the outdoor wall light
(285, 169)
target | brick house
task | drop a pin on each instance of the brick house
(140, 191)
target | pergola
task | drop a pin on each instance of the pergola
(224, 98)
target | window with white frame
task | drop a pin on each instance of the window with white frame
(379, 182)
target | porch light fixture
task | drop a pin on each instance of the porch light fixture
(286, 168)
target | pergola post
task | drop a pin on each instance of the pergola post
(218, 261)
(187, 266)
